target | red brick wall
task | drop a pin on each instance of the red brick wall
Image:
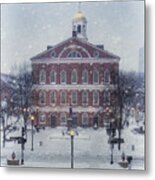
(113, 68)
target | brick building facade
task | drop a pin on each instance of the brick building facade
(76, 75)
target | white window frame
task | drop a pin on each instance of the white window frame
(98, 76)
(105, 74)
(76, 76)
(107, 96)
(84, 97)
(55, 97)
(97, 93)
(40, 76)
(85, 115)
(54, 82)
(83, 75)
(64, 122)
(42, 115)
(61, 97)
(44, 96)
(76, 94)
(61, 76)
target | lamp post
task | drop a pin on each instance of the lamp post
(25, 114)
(22, 145)
(112, 148)
(70, 120)
(32, 123)
(72, 133)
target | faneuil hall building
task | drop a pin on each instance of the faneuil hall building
(75, 78)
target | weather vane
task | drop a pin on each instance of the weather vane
(79, 7)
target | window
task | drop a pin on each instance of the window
(63, 77)
(53, 77)
(85, 119)
(42, 98)
(42, 76)
(53, 97)
(74, 97)
(106, 96)
(74, 77)
(79, 29)
(85, 98)
(95, 77)
(63, 97)
(85, 77)
(106, 76)
(53, 54)
(74, 54)
(42, 118)
(96, 54)
(95, 98)
(63, 119)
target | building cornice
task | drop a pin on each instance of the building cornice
(79, 87)
(74, 60)
(76, 109)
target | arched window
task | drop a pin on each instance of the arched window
(85, 77)
(85, 98)
(84, 119)
(106, 76)
(42, 98)
(95, 98)
(53, 77)
(63, 119)
(42, 76)
(95, 77)
(107, 96)
(74, 97)
(79, 28)
(53, 97)
(63, 97)
(74, 54)
(63, 77)
(74, 77)
(42, 118)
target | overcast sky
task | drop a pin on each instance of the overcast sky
(27, 29)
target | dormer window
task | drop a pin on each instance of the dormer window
(96, 54)
(53, 54)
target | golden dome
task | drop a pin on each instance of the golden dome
(79, 16)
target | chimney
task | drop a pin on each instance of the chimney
(100, 46)
(49, 47)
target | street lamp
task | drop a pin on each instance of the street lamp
(72, 133)
(32, 123)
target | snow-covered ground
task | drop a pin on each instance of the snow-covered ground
(91, 149)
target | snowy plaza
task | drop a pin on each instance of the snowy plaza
(91, 148)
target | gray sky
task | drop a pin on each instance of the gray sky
(27, 29)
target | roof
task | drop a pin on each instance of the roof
(6, 80)
(86, 49)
